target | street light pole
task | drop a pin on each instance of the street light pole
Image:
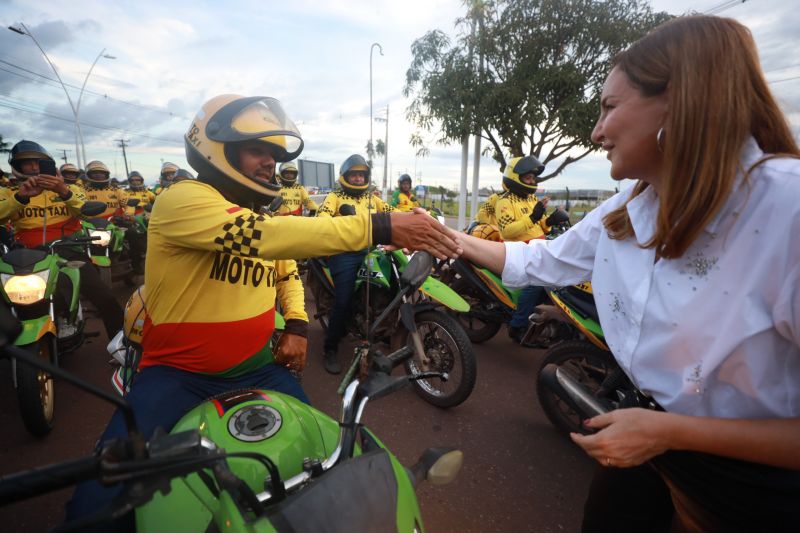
(80, 97)
(26, 31)
(380, 49)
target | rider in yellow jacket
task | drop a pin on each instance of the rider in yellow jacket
(101, 190)
(137, 191)
(403, 199)
(354, 180)
(295, 196)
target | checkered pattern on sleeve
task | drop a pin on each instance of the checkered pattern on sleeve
(240, 236)
(505, 220)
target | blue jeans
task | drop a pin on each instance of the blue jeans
(344, 269)
(529, 298)
(160, 396)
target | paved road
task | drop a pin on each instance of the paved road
(519, 474)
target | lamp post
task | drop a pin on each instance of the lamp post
(80, 96)
(26, 31)
(380, 49)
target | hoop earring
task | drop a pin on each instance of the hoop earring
(660, 140)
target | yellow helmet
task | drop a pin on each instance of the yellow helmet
(227, 120)
(135, 314)
(517, 167)
(285, 174)
(353, 163)
(95, 167)
(69, 172)
(486, 232)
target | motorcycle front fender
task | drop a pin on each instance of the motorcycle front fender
(34, 329)
(75, 278)
(438, 291)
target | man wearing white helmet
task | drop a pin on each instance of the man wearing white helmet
(295, 196)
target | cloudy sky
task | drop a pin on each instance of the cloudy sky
(313, 55)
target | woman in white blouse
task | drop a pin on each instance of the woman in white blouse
(696, 274)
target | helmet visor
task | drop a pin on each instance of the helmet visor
(264, 119)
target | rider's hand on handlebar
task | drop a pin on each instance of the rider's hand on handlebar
(419, 231)
(291, 351)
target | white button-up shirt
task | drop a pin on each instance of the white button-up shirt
(715, 332)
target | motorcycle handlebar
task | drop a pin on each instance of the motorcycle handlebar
(38, 481)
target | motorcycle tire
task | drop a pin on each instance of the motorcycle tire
(588, 364)
(105, 276)
(477, 330)
(451, 353)
(36, 391)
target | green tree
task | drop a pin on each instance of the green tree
(525, 75)
(5, 146)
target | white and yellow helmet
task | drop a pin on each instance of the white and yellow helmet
(285, 173)
(230, 119)
(94, 167)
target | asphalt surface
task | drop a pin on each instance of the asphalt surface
(519, 474)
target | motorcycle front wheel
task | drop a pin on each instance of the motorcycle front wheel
(447, 349)
(35, 390)
(585, 362)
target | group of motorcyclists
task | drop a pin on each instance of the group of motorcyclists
(209, 243)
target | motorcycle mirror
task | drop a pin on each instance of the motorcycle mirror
(440, 466)
(347, 210)
(92, 209)
(276, 204)
(133, 202)
(10, 326)
(417, 270)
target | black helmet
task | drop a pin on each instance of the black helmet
(517, 167)
(26, 150)
(228, 120)
(182, 174)
(402, 178)
(353, 163)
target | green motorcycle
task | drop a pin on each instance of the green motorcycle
(443, 345)
(29, 279)
(258, 460)
(110, 252)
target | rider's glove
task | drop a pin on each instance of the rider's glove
(538, 212)
(558, 216)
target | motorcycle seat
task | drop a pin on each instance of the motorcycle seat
(582, 301)
(24, 258)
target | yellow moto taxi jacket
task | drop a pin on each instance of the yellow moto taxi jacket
(513, 218)
(113, 197)
(211, 275)
(43, 218)
(486, 212)
(367, 202)
(144, 196)
(404, 202)
(295, 197)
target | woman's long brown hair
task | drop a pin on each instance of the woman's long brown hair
(717, 98)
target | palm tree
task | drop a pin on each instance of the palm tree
(4, 146)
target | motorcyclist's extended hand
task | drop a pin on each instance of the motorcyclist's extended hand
(626, 437)
(420, 231)
(291, 351)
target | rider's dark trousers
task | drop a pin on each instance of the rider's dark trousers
(689, 491)
(529, 298)
(160, 396)
(94, 290)
(138, 245)
(344, 269)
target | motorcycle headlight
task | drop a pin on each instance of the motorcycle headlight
(27, 289)
(105, 237)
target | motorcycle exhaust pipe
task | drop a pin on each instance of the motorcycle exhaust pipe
(564, 385)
